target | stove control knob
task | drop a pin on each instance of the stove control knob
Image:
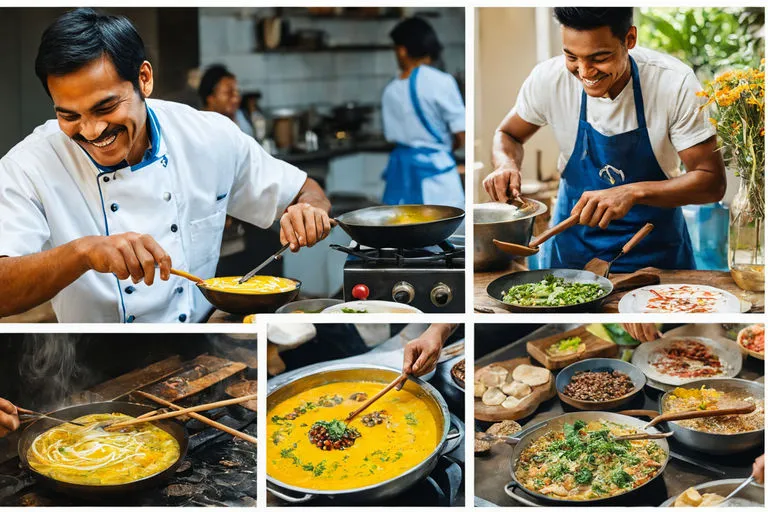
(403, 292)
(441, 295)
(360, 292)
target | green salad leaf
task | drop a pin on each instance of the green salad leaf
(552, 291)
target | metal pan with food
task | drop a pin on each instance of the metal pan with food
(503, 222)
(717, 435)
(260, 294)
(550, 291)
(599, 384)
(91, 462)
(574, 459)
(401, 226)
(709, 494)
(313, 453)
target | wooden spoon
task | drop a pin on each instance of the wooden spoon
(699, 413)
(400, 379)
(533, 247)
(187, 275)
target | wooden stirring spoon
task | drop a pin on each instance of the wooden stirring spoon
(187, 275)
(533, 247)
(400, 379)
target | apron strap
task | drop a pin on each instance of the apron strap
(638, 95)
(417, 106)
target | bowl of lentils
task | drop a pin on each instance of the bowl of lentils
(599, 384)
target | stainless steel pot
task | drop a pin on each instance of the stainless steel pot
(529, 435)
(503, 222)
(752, 495)
(718, 444)
(356, 372)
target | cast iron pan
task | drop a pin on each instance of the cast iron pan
(176, 429)
(498, 287)
(387, 226)
(246, 304)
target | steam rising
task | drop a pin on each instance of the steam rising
(48, 367)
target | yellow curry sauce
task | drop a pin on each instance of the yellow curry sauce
(410, 433)
(255, 285)
(90, 455)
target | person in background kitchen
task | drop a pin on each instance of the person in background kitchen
(9, 417)
(624, 118)
(423, 114)
(93, 202)
(220, 93)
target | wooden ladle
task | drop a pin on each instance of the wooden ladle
(400, 379)
(187, 275)
(533, 247)
(735, 407)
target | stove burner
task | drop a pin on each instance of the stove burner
(444, 252)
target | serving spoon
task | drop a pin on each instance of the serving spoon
(737, 490)
(399, 380)
(533, 247)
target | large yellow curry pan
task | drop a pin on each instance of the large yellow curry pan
(282, 389)
(96, 492)
(248, 303)
(532, 433)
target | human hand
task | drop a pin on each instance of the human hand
(304, 225)
(421, 354)
(126, 255)
(9, 417)
(503, 184)
(758, 469)
(642, 332)
(600, 207)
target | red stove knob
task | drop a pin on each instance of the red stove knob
(360, 292)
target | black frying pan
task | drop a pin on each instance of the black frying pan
(176, 429)
(245, 303)
(402, 226)
(498, 287)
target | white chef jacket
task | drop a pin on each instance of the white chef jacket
(552, 95)
(199, 168)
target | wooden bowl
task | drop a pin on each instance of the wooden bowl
(599, 364)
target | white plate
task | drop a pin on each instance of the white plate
(372, 306)
(636, 300)
(728, 352)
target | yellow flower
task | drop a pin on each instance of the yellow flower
(713, 121)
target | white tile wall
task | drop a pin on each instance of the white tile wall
(304, 79)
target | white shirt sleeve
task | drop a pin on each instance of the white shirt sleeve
(689, 125)
(531, 104)
(387, 112)
(263, 186)
(23, 226)
(452, 106)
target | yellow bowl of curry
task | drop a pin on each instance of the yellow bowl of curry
(309, 446)
(91, 456)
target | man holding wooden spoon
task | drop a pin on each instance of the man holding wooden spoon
(9, 417)
(625, 117)
(121, 184)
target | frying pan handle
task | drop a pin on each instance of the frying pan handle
(510, 490)
(554, 230)
(636, 239)
(454, 437)
(287, 497)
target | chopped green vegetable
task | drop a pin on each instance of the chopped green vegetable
(552, 291)
(565, 345)
(583, 476)
(621, 478)
(335, 428)
(410, 419)
(353, 310)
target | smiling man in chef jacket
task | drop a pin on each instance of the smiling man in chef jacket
(119, 187)
(624, 117)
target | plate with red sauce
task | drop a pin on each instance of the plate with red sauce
(679, 298)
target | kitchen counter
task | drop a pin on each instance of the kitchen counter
(714, 278)
(324, 154)
(492, 471)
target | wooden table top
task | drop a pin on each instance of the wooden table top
(714, 278)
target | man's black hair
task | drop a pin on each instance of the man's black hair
(619, 19)
(211, 78)
(83, 35)
(418, 37)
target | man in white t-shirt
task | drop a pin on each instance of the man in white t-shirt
(624, 117)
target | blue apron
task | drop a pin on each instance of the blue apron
(409, 166)
(600, 162)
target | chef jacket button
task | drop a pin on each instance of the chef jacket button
(130, 290)
(174, 228)
(106, 179)
(114, 207)
(167, 196)
(179, 289)
(130, 319)
(182, 317)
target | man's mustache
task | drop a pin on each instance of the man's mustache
(106, 134)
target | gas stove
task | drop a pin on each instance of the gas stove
(430, 279)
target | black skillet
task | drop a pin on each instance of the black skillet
(176, 429)
(401, 226)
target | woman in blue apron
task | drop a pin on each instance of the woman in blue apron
(423, 114)
(600, 162)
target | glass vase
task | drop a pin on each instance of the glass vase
(746, 239)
